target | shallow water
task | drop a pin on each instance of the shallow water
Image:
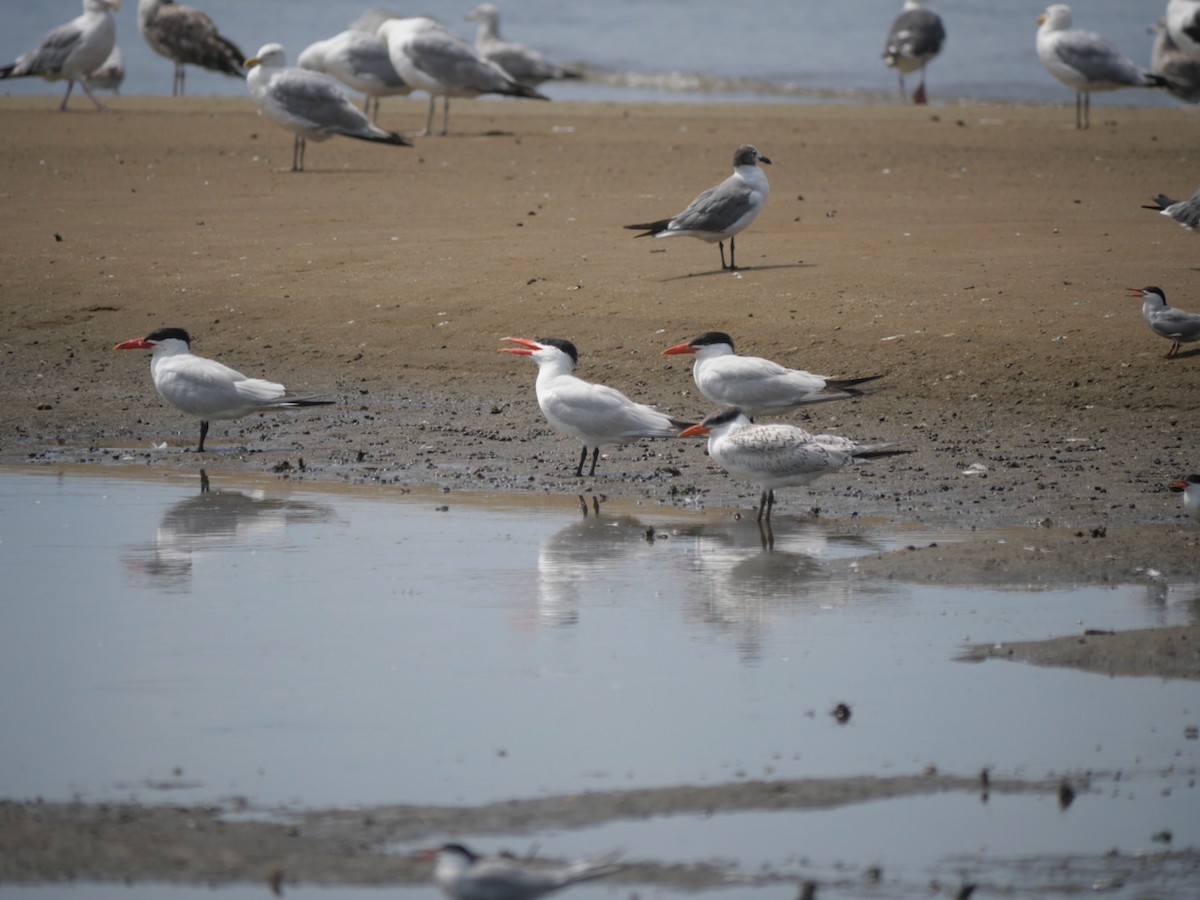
(304, 647)
(762, 50)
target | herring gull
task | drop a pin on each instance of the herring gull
(434, 59)
(523, 63)
(723, 211)
(1185, 212)
(914, 39)
(187, 36)
(309, 104)
(1183, 24)
(358, 59)
(110, 74)
(1168, 61)
(72, 51)
(1085, 61)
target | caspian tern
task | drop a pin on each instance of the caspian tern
(914, 39)
(206, 388)
(187, 36)
(776, 455)
(1185, 212)
(723, 211)
(1176, 325)
(757, 385)
(434, 59)
(595, 414)
(1190, 486)
(1085, 62)
(524, 64)
(72, 51)
(465, 875)
(308, 104)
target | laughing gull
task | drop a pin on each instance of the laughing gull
(523, 63)
(915, 38)
(1085, 61)
(1185, 212)
(187, 36)
(71, 51)
(723, 211)
(434, 59)
(359, 60)
(309, 104)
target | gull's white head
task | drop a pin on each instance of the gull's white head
(484, 12)
(1056, 17)
(269, 56)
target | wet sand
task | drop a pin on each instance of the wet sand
(977, 255)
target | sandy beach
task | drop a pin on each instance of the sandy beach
(978, 256)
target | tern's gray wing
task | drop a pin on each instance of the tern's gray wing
(716, 209)
(52, 52)
(1097, 60)
(1185, 212)
(1177, 324)
(916, 33)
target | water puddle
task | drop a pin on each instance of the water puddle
(302, 647)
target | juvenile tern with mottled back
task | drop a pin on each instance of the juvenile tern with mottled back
(594, 414)
(915, 38)
(308, 104)
(757, 385)
(723, 211)
(1185, 212)
(71, 51)
(187, 36)
(776, 455)
(206, 388)
(434, 59)
(1176, 325)
(1085, 62)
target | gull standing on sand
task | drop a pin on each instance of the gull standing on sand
(308, 104)
(1190, 486)
(1183, 25)
(72, 51)
(777, 455)
(434, 59)
(1185, 212)
(523, 63)
(465, 875)
(1085, 62)
(1181, 71)
(595, 414)
(915, 38)
(1176, 325)
(110, 74)
(206, 388)
(757, 385)
(721, 212)
(359, 60)
(187, 36)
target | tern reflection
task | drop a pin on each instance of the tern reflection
(585, 551)
(741, 584)
(209, 521)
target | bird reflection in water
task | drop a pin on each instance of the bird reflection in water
(211, 521)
